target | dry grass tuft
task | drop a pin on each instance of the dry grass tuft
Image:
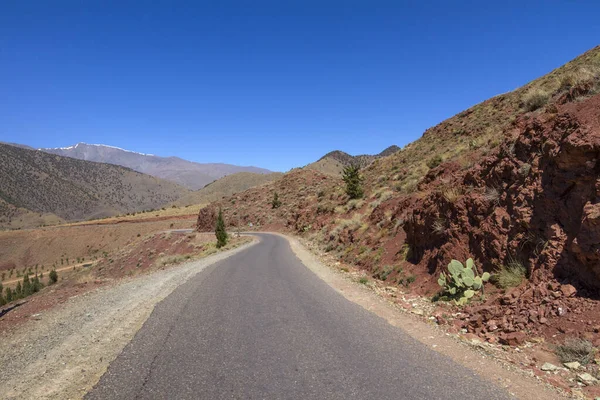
(510, 275)
(575, 349)
(492, 195)
(452, 194)
(534, 99)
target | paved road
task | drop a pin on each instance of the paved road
(260, 325)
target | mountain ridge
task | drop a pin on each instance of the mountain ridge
(334, 162)
(189, 174)
(71, 189)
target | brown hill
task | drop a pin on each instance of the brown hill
(227, 186)
(334, 162)
(511, 181)
(73, 189)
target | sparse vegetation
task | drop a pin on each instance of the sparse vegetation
(575, 349)
(383, 273)
(78, 190)
(452, 194)
(524, 170)
(510, 275)
(534, 99)
(275, 203)
(434, 161)
(439, 226)
(492, 195)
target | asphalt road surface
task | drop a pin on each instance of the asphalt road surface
(260, 325)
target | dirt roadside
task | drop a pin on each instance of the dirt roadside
(63, 352)
(516, 382)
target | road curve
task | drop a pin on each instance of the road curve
(260, 325)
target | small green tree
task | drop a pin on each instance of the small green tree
(276, 203)
(18, 291)
(27, 289)
(52, 277)
(36, 285)
(353, 180)
(9, 295)
(220, 231)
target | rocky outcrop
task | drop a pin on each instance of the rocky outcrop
(207, 219)
(536, 199)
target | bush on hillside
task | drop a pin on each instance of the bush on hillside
(276, 203)
(534, 99)
(434, 162)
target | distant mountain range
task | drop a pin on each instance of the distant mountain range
(186, 173)
(35, 182)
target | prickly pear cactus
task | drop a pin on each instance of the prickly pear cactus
(461, 283)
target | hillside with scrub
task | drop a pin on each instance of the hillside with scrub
(57, 188)
(512, 183)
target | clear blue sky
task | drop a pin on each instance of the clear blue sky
(275, 84)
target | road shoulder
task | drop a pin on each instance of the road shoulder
(63, 353)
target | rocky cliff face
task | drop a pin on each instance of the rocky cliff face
(536, 200)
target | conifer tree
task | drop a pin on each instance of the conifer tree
(36, 285)
(9, 295)
(18, 291)
(353, 180)
(52, 277)
(26, 289)
(220, 231)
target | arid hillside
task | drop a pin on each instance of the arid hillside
(61, 187)
(227, 186)
(512, 182)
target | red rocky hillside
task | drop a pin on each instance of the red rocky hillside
(512, 181)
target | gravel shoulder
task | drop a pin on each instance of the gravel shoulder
(501, 374)
(65, 351)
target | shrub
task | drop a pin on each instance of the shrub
(439, 226)
(220, 231)
(492, 195)
(52, 277)
(383, 273)
(534, 99)
(575, 349)
(353, 181)
(510, 275)
(364, 280)
(355, 204)
(582, 76)
(525, 169)
(276, 203)
(462, 282)
(434, 161)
